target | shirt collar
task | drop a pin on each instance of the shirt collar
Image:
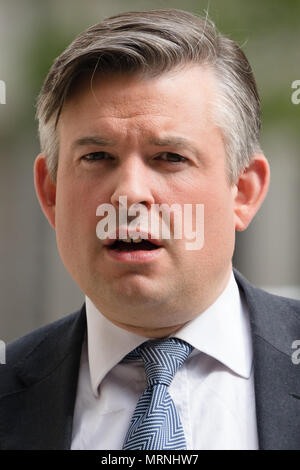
(107, 344)
(222, 331)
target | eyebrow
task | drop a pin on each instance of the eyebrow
(174, 141)
(91, 140)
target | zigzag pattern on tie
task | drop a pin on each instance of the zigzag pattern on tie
(155, 423)
(163, 358)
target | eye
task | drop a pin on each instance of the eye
(96, 156)
(172, 157)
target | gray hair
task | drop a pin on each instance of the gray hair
(151, 43)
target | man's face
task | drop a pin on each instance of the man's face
(157, 144)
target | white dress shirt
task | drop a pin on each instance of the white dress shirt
(213, 391)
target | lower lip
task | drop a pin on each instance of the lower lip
(134, 257)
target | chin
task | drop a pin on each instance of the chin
(137, 292)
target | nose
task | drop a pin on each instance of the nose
(134, 182)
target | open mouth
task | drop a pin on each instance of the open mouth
(143, 245)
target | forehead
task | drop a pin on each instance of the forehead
(188, 89)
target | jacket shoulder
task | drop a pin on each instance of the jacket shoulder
(38, 344)
(266, 297)
(25, 345)
(274, 318)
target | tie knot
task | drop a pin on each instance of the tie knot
(162, 358)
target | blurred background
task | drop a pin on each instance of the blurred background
(34, 285)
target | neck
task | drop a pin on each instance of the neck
(151, 332)
(172, 313)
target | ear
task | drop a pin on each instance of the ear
(252, 188)
(45, 188)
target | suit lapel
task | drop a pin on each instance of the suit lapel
(274, 326)
(44, 399)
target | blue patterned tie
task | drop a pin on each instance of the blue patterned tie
(155, 423)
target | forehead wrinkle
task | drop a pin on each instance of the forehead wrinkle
(135, 106)
(163, 141)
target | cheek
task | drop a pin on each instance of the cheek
(219, 225)
(218, 231)
(75, 216)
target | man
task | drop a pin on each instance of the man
(152, 108)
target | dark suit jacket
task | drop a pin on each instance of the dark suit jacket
(38, 383)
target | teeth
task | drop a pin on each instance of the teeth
(129, 240)
(138, 240)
